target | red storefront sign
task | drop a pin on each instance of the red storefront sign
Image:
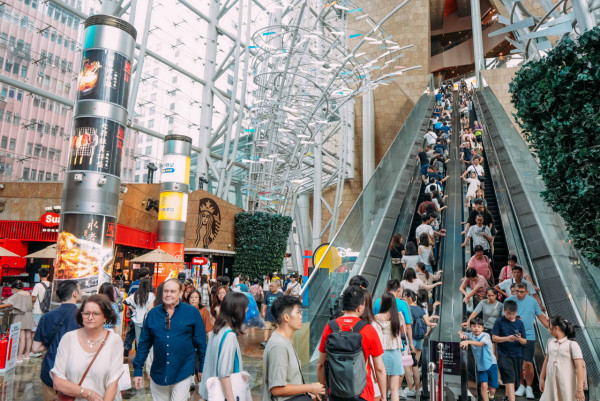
(50, 219)
(200, 261)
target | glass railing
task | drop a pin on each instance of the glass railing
(578, 276)
(512, 60)
(352, 244)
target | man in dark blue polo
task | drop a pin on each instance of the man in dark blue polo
(52, 327)
(176, 330)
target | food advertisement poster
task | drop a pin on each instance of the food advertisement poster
(85, 250)
(104, 76)
(173, 206)
(96, 145)
(175, 168)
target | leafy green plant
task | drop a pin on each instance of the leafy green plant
(558, 107)
(260, 242)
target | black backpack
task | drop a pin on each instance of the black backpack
(45, 303)
(346, 368)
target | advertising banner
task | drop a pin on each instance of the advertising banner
(175, 168)
(451, 356)
(96, 145)
(173, 206)
(104, 76)
(12, 348)
(165, 271)
(85, 250)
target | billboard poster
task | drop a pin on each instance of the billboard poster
(450, 355)
(175, 168)
(173, 206)
(85, 250)
(96, 145)
(104, 76)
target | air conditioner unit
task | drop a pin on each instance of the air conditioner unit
(2, 98)
(1, 167)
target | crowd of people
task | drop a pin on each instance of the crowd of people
(187, 337)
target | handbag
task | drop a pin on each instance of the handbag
(63, 397)
(585, 376)
(407, 359)
(240, 381)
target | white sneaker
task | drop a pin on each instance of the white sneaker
(410, 393)
(520, 391)
(529, 393)
(401, 393)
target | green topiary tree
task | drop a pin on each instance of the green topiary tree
(260, 242)
(558, 107)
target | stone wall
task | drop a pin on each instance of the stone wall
(498, 81)
(394, 102)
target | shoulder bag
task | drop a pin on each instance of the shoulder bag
(493, 311)
(585, 376)
(240, 381)
(396, 261)
(407, 358)
(63, 397)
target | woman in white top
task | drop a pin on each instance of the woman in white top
(426, 252)
(141, 301)
(411, 256)
(411, 282)
(474, 184)
(77, 349)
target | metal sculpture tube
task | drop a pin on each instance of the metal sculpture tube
(87, 233)
(172, 212)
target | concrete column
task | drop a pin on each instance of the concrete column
(368, 137)
(303, 205)
(477, 40)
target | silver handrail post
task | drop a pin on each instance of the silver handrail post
(432, 386)
(441, 370)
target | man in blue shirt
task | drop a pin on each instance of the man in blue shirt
(130, 336)
(270, 321)
(509, 333)
(175, 329)
(52, 327)
(528, 310)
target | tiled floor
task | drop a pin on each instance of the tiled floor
(23, 382)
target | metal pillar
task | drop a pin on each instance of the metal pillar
(210, 60)
(172, 212)
(87, 233)
(583, 15)
(303, 205)
(368, 139)
(317, 189)
(477, 40)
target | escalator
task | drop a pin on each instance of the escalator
(500, 255)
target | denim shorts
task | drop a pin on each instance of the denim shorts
(489, 376)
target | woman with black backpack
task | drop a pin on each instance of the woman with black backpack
(420, 325)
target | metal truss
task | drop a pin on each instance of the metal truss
(310, 65)
(533, 32)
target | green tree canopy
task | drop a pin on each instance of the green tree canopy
(558, 107)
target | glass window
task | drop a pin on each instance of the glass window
(1, 114)
(4, 142)
(145, 179)
(138, 164)
(53, 36)
(36, 101)
(16, 68)
(29, 148)
(25, 173)
(44, 151)
(57, 155)
(151, 124)
(137, 178)
(8, 66)
(148, 150)
(19, 95)
(2, 167)
(37, 150)
(46, 128)
(46, 80)
(50, 105)
(24, 71)
(11, 92)
(17, 119)
(54, 177)
(8, 116)
(33, 174)
(54, 130)
(48, 176)
(41, 175)
(43, 103)
(67, 89)
(12, 144)
(51, 153)
(1, 62)
(9, 169)
(40, 127)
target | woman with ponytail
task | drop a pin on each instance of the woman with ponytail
(563, 373)
(388, 323)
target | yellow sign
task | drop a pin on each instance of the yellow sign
(327, 257)
(173, 206)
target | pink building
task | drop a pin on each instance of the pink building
(39, 45)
